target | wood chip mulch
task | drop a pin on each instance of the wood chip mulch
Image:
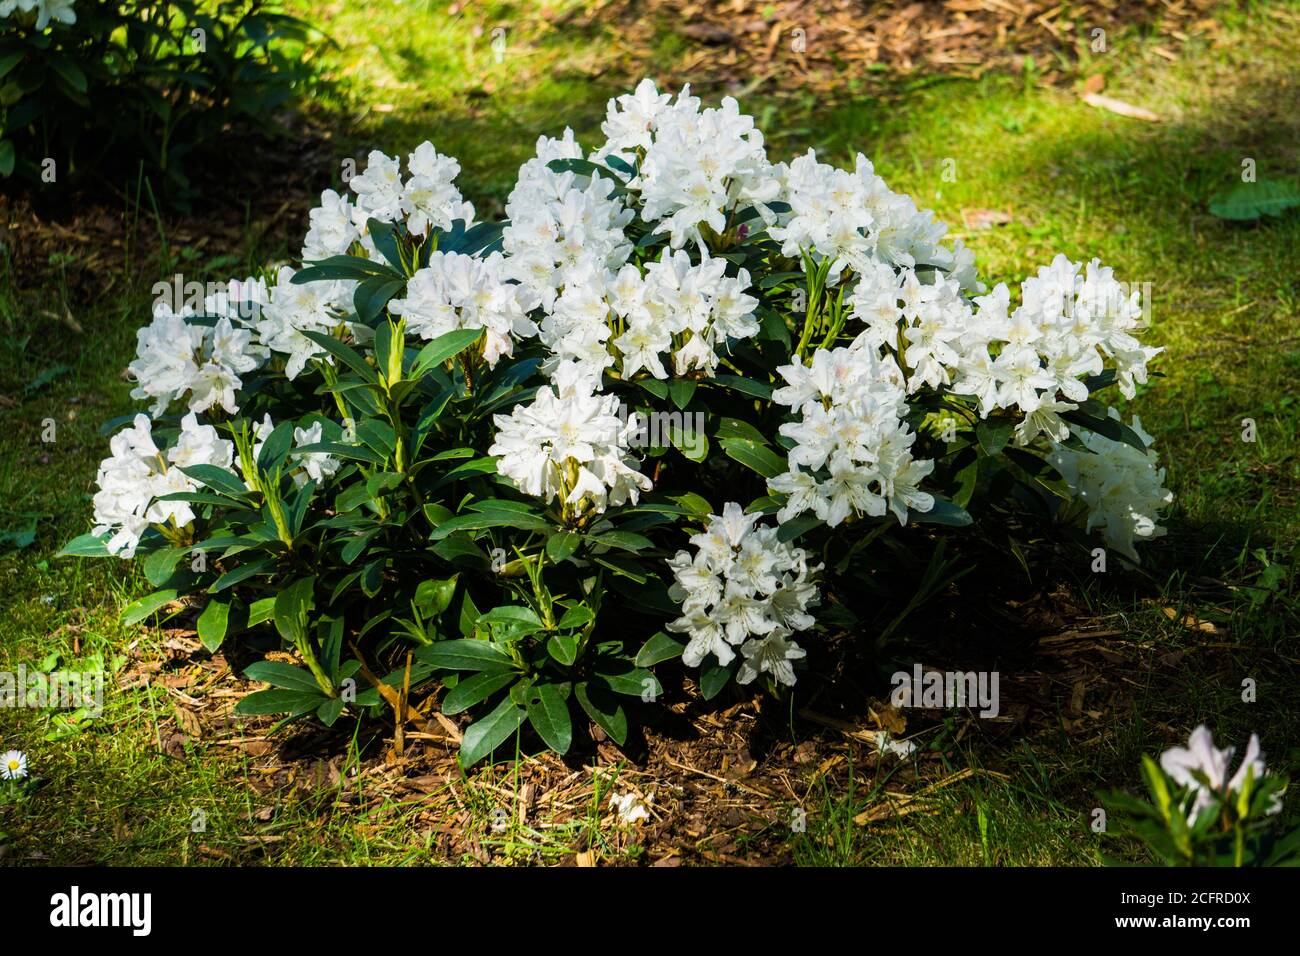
(819, 45)
(720, 783)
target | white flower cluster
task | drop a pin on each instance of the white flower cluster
(137, 473)
(456, 291)
(855, 221)
(570, 444)
(429, 198)
(176, 358)
(852, 453)
(1034, 360)
(676, 309)
(295, 308)
(59, 11)
(565, 230)
(1201, 755)
(743, 588)
(1122, 487)
(697, 166)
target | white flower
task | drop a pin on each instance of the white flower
(854, 221)
(629, 807)
(456, 291)
(631, 119)
(331, 231)
(180, 360)
(1201, 755)
(59, 11)
(563, 229)
(887, 746)
(13, 765)
(770, 655)
(304, 307)
(570, 445)
(1034, 360)
(743, 583)
(1122, 487)
(137, 473)
(699, 165)
(379, 190)
(430, 197)
(316, 466)
(829, 215)
(852, 452)
(680, 310)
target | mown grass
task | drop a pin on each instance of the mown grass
(1072, 178)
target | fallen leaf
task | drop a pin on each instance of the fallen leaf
(1191, 622)
(188, 722)
(1119, 107)
(984, 218)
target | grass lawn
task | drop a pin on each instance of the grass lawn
(1215, 604)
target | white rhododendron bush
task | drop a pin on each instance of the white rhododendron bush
(685, 402)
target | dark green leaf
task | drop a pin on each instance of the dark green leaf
(712, 679)
(681, 390)
(485, 735)
(623, 540)
(279, 701)
(213, 624)
(444, 347)
(137, 611)
(754, 456)
(465, 655)
(629, 681)
(994, 433)
(944, 513)
(475, 689)
(660, 647)
(604, 709)
(219, 479)
(292, 605)
(548, 712)
(561, 545)
(748, 386)
(564, 648)
(285, 676)
(84, 546)
(1250, 201)
(345, 354)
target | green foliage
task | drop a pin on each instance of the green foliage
(1254, 200)
(531, 614)
(1231, 828)
(152, 81)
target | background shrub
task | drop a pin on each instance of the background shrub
(137, 81)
